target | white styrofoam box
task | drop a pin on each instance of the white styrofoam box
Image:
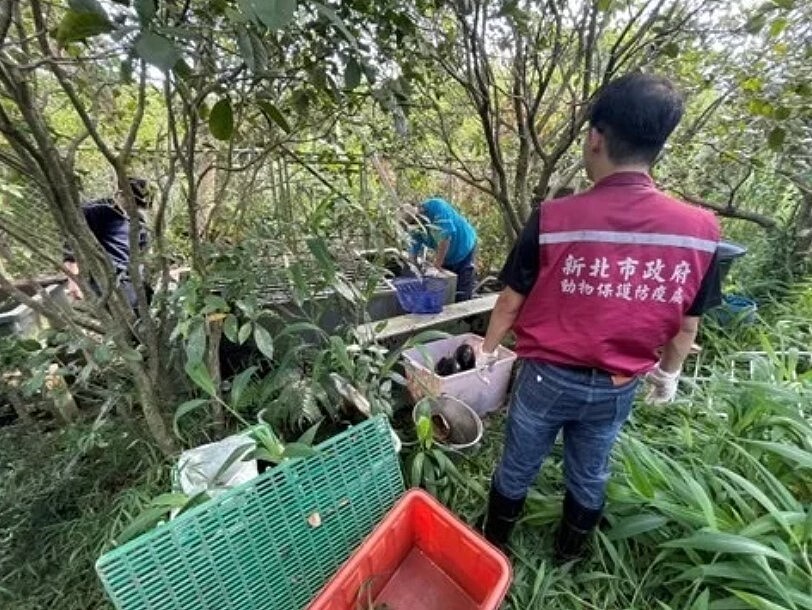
(483, 390)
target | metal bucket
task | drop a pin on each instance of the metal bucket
(465, 427)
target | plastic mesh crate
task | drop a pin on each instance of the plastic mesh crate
(270, 543)
(420, 295)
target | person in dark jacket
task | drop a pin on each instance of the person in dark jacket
(110, 225)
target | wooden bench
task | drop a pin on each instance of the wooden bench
(413, 323)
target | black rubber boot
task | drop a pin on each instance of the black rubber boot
(577, 523)
(501, 518)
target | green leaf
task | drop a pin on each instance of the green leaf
(275, 14)
(799, 456)
(703, 500)
(239, 384)
(726, 570)
(221, 119)
(183, 71)
(264, 341)
(126, 71)
(239, 453)
(331, 16)
(87, 6)
(722, 542)
(170, 500)
(259, 51)
(603, 5)
(157, 50)
(416, 470)
(246, 50)
(146, 10)
(352, 74)
(144, 522)
(786, 4)
(318, 248)
(756, 601)
(339, 351)
(252, 49)
(76, 27)
(298, 450)
(298, 327)
(776, 138)
(671, 50)
(425, 431)
(196, 344)
(186, 408)
(701, 602)
(131, 355)
(230, 328)
(244, 333)
(636, 525)
(196, 500)
(777, 26)
(755, 24)
(728, 603)
(807, 535)
(102, 355)
(199, 374)
(273, 114)
(309, 435)
(214, 302)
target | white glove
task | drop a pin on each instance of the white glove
(662, 386)
(485, 359)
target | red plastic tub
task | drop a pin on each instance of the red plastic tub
(420, 557)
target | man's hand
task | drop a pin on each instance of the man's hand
(662, 386)
(485, 360)
(73, 291)
(442, 249)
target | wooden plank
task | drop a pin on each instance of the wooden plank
(412, 323)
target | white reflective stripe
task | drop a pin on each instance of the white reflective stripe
(620, 237)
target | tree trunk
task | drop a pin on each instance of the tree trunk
(215, 331)
(9, 389)
(150, 407)
(803, 230)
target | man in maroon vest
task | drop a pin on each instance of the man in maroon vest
(603, 288)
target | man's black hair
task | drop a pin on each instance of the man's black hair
(636, 113)
(141, 194)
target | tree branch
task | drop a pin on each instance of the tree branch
(765, 222)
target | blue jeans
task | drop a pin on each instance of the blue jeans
(591, 411)
(466, 276)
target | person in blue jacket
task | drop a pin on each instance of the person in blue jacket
(453, 240)
(110, 225)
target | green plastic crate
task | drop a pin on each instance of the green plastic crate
(271, 543)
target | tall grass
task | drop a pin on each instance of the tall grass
(63, 496)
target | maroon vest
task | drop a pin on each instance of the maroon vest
(620, 266)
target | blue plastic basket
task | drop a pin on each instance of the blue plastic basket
(735, 309)
(420, 295)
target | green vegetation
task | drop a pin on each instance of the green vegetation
(281, 139)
